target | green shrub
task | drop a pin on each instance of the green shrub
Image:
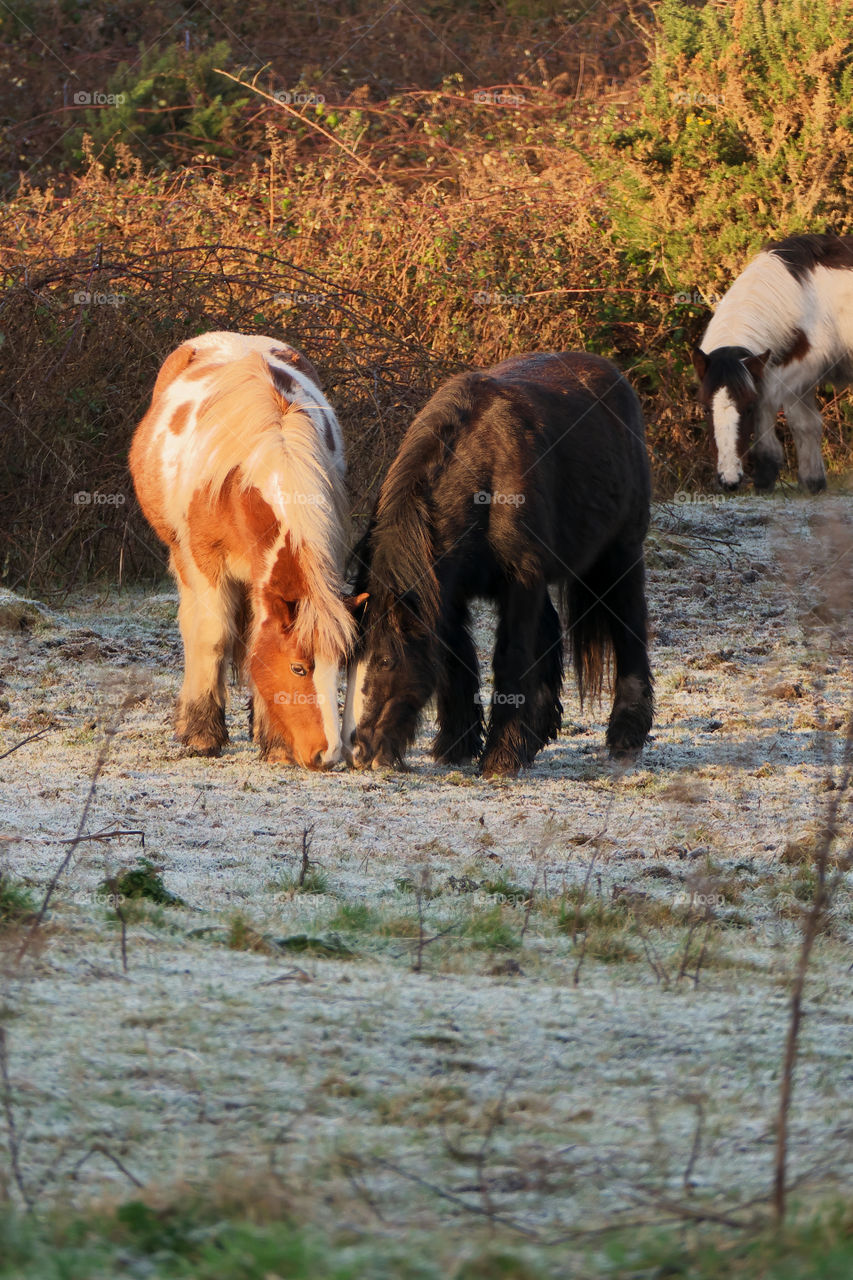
(167, 106)
(742, 135)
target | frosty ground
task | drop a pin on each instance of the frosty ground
(551, 1003)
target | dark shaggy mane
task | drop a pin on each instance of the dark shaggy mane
(401, 540)
(801, 254)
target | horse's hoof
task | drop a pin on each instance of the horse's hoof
(207, 750)
(816, 485)
(500, 764)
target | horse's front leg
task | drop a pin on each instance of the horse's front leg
(766, 453)
(510, 742)
(460, 713)
(803, 417)
(205, 631)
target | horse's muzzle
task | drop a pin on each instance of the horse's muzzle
(360, 755)
(730, 486)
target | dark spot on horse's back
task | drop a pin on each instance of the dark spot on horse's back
(291, 356)
(801, 254)
(798, 348)
(284, 383)
(287, 354)
(180, 417)
(328, 433)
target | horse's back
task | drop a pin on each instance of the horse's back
(585, 383)
(221, 406)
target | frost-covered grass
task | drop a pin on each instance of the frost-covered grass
(521, 1005)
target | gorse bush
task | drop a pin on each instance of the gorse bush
(743, 134)
(169, 106)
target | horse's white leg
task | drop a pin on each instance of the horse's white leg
(806, 426)
(767, 453)
(204, 620)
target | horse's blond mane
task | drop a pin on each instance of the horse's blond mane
(245, 425)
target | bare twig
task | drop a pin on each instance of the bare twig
(307, 837)
(312, 124)
(24, 741)
(813, 920)
(100, 761)
(12, 1136)
(104, 835)
(100, 1150)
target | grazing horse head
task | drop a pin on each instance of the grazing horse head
(729, 388)
(391, 677)
(293, 668)
(395, 666)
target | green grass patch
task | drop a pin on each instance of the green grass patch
(492, 930)
(17, 904)
(142, 881)
(206, 1239)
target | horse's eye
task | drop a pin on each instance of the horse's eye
(385, 664)
(298, 669)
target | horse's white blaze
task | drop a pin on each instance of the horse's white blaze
(354, 705)
(726, 417)
(326, 690)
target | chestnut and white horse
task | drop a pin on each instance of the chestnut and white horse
(238, 467)
(783, 328)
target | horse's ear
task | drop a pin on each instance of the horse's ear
(355, 604)
(286, 613)
(755, 364)
(700, 362)
(410, 600)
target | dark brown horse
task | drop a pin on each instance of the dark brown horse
(532, 473)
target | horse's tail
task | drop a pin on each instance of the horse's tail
(587, 623)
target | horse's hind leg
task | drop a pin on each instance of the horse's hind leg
(511, 743)
(460, 713)
(803, 417)
(626, 620)
(205, 623)
(546, 709)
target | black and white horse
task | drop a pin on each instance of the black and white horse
(783, 328)
(530, 473)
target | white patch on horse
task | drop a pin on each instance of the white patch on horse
(726, 417)
(354, 704)
(326, 689)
